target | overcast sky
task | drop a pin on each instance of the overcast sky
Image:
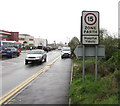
(57, 20)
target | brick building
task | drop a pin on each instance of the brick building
(9, 36)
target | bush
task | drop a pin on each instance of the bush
(114, 61)
(105, 90)
(94, 92)
(72, 44)
(111, 45)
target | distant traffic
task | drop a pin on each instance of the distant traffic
(12, 49)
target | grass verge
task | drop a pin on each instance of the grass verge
(103, 91)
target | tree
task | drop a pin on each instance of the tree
(72, 44)
(24, 42)
(111, 44)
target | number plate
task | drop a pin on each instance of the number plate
(4, 53)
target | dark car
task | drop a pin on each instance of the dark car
(10, 52)
(36, 56)
(49, 48)
(43, 48)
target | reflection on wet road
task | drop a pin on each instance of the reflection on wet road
(14, 71)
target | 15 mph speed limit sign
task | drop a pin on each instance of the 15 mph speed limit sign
(90, 23)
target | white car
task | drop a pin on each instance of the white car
(36, 56)
(66, 52)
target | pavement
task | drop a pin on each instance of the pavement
(51, 87)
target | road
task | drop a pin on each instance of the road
(51, 85)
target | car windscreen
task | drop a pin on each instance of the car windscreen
(66, 49)
(35, 52)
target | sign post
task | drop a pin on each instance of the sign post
(90, 51)
(96, 63)
(90, 40)
(90, 32)
(83, 75)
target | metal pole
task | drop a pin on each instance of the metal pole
(83, 73)
(96, 63)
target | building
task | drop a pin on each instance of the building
(40, 42)
(9, 36)
(26, 39)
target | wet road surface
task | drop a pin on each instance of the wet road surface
(51, 87)
(14, 71)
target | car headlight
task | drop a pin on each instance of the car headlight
(39, 57)
(69, 53)
(26, 57)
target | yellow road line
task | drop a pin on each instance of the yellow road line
(26, 82)
(21, 84)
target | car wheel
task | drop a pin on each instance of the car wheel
(45, 60)
(13, 55)
(26, 62)
(18, 54)
(61, 57)
(41, 61)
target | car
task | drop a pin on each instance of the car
(36, 56)
(49, 48)
(59, 48)
(45, 48)
(10, 52)
(66, 52)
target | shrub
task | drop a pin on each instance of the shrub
(105, 90)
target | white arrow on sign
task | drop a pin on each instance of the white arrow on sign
(90, 51)
(77, 51)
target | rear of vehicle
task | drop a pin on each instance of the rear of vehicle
(9, 52)
(10, 48)
(66, 52)
(40, 47)
(49, 48)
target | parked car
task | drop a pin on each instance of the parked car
(9, 52)
(40, 47)
(36, 56)
(45, 48)
(49, 48)
(66, 52)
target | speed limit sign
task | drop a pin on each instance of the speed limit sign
(90, 23)
(90, 19)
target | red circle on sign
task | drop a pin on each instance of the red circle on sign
(93, 22)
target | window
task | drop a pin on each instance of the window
(3, 36)
(31, 39)
(21, 39)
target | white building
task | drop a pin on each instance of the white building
(26, 39)
(39, 42)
